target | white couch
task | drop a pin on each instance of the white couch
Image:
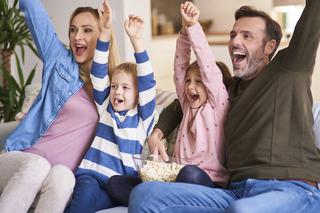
(6, 128)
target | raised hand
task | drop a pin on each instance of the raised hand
(105, 20)
(134, 28)
(190, 14)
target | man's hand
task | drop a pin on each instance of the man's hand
(156, 145)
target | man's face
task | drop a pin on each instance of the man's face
(247, 47)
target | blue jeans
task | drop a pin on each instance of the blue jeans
(250, 196)
(89, 196)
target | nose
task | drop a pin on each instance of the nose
(78, 35)
(190, 86)
(118, 90)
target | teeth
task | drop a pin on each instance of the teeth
(238, 53)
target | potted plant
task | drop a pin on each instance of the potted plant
(14, 33)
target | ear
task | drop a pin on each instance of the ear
(270, 47)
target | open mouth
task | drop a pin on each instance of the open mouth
(238, 56)
(194, 97)
(118, 101)
(79, 49)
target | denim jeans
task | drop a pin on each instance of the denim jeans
(248, 196)
(88, 196)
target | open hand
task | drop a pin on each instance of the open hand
(156, 145)
(134, 27)
(105, 16)
(190, 14)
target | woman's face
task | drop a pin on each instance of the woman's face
(83, 35)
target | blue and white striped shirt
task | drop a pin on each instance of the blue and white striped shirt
(119, 134)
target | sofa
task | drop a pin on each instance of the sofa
(6, 128)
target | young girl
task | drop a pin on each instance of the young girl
(204, 101)
(125, 100)
(50, 141)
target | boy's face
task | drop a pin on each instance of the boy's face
(124, 91)
(194, 89)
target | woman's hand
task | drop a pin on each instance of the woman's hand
(105, 21)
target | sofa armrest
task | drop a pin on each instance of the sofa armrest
(5, 129)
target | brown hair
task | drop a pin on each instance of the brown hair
(273, 29)
(226, 75)
(127, 67)
(113, 59)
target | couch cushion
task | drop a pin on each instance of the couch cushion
(316, 126)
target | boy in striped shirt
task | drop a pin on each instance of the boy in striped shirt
(125, 100)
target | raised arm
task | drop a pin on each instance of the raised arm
(99, 71)
(146, 83)
(301, 52)
(210, 73)
(42, 30)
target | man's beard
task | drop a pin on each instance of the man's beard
(253, 67)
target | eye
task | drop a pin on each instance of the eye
(113, 86)
(72, 30)
(247, 35)
(187, 81)
(199, 81)
(87, 30)
(126, 87)
(232, 35)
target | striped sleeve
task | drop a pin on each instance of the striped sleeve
(100, 75)
(147, 92)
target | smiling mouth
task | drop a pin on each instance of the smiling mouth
(194, 97)
(118, 101)
(238, 57)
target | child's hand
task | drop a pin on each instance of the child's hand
(134, 28)
(190, 14)
(105, 20)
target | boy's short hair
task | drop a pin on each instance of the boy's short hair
(127, 67)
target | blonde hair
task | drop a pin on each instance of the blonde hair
(113, 59)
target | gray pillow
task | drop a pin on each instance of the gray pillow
(316, 126)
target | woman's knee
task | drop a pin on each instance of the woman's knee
(60, 176)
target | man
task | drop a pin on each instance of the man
(271, 154)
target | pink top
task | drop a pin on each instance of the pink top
(200, 139)
(71, 134)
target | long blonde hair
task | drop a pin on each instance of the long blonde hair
(113, 59)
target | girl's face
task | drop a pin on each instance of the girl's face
(124, 91)
(194, 89)
(83, 35)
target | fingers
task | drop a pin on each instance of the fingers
(189, 8)
(162, 150)
(135, 18)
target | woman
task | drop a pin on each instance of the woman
(51, 140)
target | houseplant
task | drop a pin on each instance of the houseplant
(14, 33)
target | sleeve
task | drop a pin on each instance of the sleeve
(41, 28)
(210, 73)
(302, 49)
(100, 76)
(170, 118)
(147, 91)
(181, 64)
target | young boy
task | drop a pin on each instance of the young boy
(125, 100)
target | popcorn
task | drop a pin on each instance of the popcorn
(160, 171)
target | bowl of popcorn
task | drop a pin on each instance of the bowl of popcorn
(153, 168)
